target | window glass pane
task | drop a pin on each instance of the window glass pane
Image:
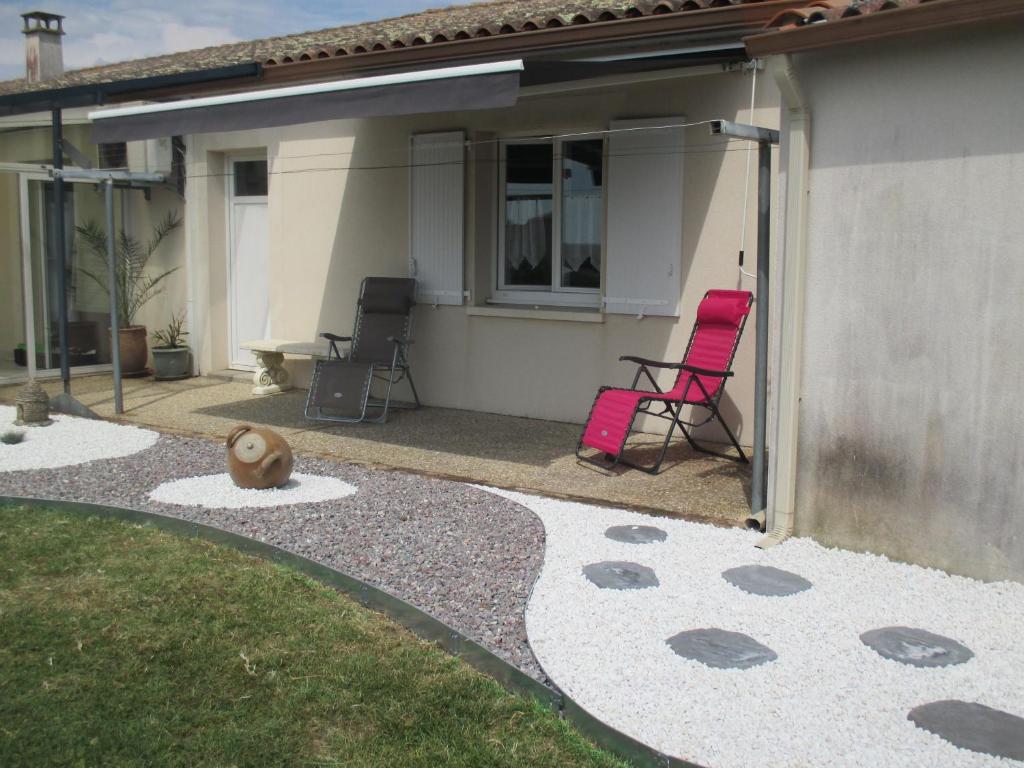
(582, 210)
(251, 178)
(528, 206)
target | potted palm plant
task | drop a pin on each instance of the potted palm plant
(170, 352)
(135, 284)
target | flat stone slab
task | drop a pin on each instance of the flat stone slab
(916, 647)
(765, 580)
(973, 726)
(721, 649)
(636, 534)
(615, 574)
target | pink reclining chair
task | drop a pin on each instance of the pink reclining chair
(700, 383)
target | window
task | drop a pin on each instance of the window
(250, 178)
(551, 222)
(112, 155)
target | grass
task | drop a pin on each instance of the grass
(123, 646)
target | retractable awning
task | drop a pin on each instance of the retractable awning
(449, 89)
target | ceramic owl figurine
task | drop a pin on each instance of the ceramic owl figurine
(258, 458)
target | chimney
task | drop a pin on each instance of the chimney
(44, 59)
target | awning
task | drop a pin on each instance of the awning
(449, 89)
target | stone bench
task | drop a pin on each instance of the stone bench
(271, 377)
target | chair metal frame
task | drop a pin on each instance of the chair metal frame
(376, 371)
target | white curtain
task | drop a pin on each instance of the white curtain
(581, 227)
(526, 231)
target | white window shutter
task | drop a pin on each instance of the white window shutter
(644, 251)
(437, 205)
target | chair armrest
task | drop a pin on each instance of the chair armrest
(335, 337)
(399, 340)
(651, 363)
(705, 371)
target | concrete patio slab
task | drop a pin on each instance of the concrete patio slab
(505, 451)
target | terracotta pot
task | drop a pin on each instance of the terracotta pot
(134, 352)
(258, 457)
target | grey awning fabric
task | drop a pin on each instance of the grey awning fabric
(448, 94)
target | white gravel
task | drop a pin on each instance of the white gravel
(827, 701)
(220, 492)
(68, 441)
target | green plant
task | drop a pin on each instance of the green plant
(171, 337)
(12, 437)
(134, 285)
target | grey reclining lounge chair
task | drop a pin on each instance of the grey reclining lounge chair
(341, 389)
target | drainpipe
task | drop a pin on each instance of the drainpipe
(781, 509)
(765, 138)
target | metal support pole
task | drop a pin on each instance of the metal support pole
(59, 242)
(758, 480)
(115, 338)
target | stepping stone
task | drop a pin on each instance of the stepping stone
(635, 534)
(613, 574)
(916, 647)
(765, 580)
(973, 726)
(721, 649)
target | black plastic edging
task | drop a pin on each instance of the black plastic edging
(420, 623)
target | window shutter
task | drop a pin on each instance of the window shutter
(643, 257)
(437, 188)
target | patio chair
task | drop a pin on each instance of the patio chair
(341, 388)
(700, 383)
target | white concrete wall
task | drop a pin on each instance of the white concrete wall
(338, 201)
(911, 425)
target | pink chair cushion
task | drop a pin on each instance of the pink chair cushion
(719, 317)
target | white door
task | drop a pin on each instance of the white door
(248, 265)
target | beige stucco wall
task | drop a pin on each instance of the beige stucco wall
(339, 211)
(911, 423)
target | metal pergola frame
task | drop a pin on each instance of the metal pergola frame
(107, 178)
(765, 138)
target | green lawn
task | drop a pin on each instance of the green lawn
(120, 645)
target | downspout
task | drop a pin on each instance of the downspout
(781, 508)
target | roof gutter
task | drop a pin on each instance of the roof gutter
(938, 14)
(100, 93)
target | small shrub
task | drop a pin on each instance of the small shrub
(171, 337)
(12, 437)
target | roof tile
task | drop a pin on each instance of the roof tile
(461, 22)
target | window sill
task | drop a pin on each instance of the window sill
(569, 314)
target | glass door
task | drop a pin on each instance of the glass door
(85, 275)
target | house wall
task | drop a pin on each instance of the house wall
(911, 428)
(338, 199)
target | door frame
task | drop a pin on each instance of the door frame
(232, 199)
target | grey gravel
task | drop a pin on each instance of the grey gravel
(916, 647)
(973, 726)
(615, 574)
(721, 649)
(765, 580)
(465, 556)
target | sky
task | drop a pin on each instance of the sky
(105, 32)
